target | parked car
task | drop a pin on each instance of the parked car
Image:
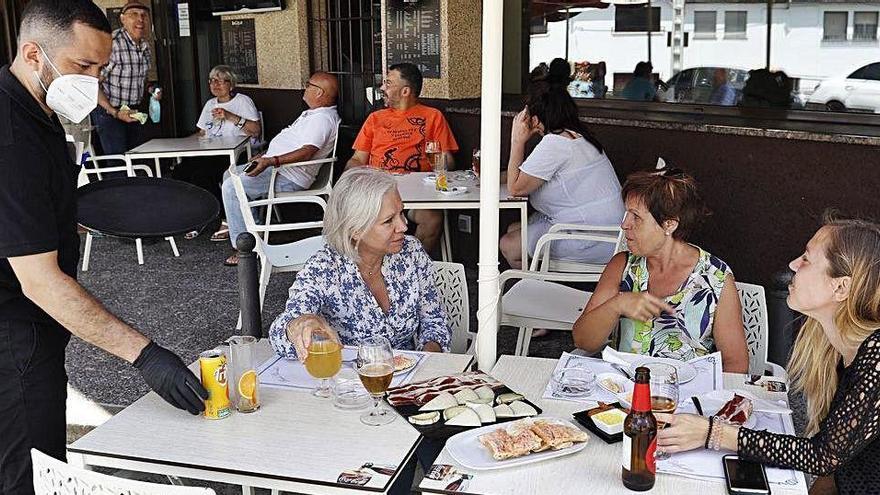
(860, 91)
(695, 85)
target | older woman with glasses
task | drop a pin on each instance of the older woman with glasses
(671, 298)
(368, 279)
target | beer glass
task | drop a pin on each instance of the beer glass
(375, 365)
(664, 393)
(323, 361)
(438, 163)
(245, 384)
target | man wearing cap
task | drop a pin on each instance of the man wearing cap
(123, 81)
(62, 45)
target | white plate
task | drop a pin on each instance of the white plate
(713, 401)
(467, 450)
(430, 178)
(625, 383)
(686, 371)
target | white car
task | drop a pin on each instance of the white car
(859, 92)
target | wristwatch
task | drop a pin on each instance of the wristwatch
(241, 122)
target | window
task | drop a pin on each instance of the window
(634, 18)
(865, 26)
(870, 72)
(704, 23)
(835, 26)
(735, 24)
(538, 25)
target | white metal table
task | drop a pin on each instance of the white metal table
(595, 467)
(417, 192)
(230, 146)
(294, 443)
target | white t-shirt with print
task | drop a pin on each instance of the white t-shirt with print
(240, 105)
(316, 127)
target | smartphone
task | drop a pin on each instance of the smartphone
(250, 167)
(744, 477)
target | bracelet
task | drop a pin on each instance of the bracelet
(717, 433)
(277, 161)
(709, 433)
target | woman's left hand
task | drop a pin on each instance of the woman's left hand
(222, 113)
(683, 432)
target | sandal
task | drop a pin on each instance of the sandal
(232, 260)
(222, 233)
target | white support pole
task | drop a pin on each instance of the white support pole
(490, 148)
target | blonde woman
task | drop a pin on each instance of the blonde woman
(835, 363)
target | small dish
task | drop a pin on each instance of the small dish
(573, 383)
(452, 191)
(604, 432)
(614, 383)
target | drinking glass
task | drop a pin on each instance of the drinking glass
(664, 393)
(245, 384)
(438, 163)
(375, 365)
(475, 162)
(323, 361)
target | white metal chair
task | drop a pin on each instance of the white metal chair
(322, 185)
(98, 171)
(754, 314)
(452, 285)
(539, 300)
(274, 258)
(53, 477)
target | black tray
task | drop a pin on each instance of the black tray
(583, 418)
(439, 430)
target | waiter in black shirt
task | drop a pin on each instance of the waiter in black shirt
(62, 45)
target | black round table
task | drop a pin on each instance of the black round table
(143, 207)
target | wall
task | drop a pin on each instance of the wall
(282, 45)
(766, 194)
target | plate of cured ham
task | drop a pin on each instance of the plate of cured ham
(734, 407)
(524, 441)
(446, 405)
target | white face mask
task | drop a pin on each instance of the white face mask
(73, 96)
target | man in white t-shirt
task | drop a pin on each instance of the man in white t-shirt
(310, 137)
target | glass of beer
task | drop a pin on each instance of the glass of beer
(375, 365)
(323, 361)
(475, 162)
(664, 393)
(438, 164)
(245, 385)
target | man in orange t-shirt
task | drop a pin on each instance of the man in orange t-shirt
(394, 139)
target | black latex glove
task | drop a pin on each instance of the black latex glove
(166, 374)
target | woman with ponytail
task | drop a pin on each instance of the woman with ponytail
(835, 363)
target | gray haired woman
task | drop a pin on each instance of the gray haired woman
(228, 114)
(368, 279)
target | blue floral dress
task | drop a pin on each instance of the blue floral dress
(687, 333)
(331, 285)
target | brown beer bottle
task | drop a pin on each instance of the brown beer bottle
(639, 437)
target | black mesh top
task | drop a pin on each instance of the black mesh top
(847, 443)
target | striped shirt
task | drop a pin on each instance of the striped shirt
(126, 74)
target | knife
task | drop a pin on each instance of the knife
(622, 369)
(697, 405)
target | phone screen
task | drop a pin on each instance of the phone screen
(745, 476)
(250, 166)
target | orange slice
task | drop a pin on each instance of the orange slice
(247, 385)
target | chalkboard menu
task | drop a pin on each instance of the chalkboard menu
(413, 34)
(240, 49)
(113, 16)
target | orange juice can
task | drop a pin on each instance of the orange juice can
(212, 365)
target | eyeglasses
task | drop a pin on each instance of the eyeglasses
(214, 80)
(137, 13)
(306, 83)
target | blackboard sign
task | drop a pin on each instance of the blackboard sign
(413, 34)
(113, 16)
(240, 49)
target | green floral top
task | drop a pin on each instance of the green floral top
(687, 333)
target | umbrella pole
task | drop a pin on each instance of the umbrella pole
(490, 148)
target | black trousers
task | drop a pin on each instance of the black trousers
(33, 394)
